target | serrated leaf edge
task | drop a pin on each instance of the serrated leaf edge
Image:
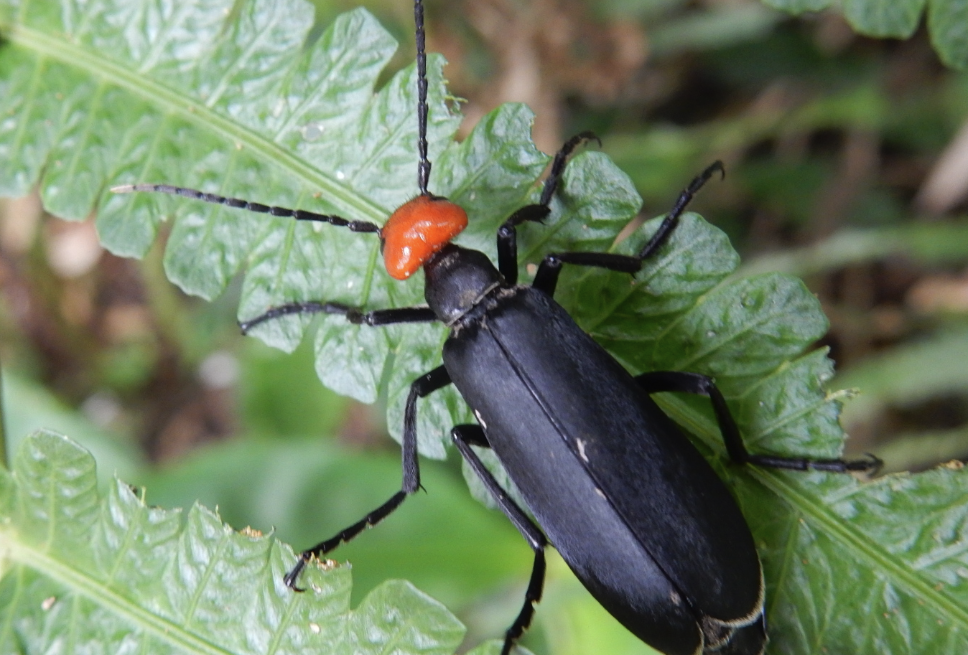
(191, 111)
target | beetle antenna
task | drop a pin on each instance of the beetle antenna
(423, 168)
(259, 208)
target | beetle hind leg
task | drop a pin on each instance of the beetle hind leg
(676, 381)
(464, 436)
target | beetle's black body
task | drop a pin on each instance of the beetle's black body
(630, 504)
(610, 479)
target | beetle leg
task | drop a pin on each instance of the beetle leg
(473, 435)
(546, 278)
(507, 238)
(464, 436)
(685, 197)
(558, 165)
(675, 381)
(352, 314)
(422, 386)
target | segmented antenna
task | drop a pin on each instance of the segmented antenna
(423, 168)
(257, 207)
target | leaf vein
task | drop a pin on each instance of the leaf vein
(239, 64)
(286, 619)
(203, 582)
(77, 160)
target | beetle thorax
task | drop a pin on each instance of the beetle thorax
(457, 280)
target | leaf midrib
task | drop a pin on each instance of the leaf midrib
(102, 596)
(192, 110)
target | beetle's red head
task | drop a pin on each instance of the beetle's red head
(418, 229)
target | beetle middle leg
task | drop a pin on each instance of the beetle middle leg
(675, 381)
(422, 386)
(464, 436)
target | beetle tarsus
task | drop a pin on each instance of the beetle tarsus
(531, 597)
(293, 575)
(558, 165)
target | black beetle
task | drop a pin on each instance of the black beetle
(633, 508)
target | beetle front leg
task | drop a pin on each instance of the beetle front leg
(546, 278)
(507, 239)
(464, 436)
(507, 236)
(422, 386)
(675, 381)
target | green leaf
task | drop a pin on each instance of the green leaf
(894, 548)
(442, 540)
(226, 98)
(948, 26)
(898, 18)
(947, 21)
(89, 573)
